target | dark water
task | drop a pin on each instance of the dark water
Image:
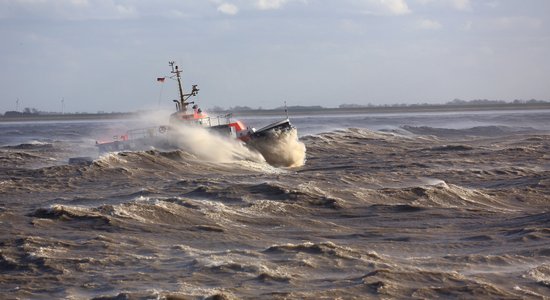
(386, 206)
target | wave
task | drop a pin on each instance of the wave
(351, 134)
(447, 148)
(302, 194)
(472, 131)
(445, 196)
(487, 262)
(417, 283)
(32, 145)
(327, 249)
(176, 161)
(540, 274)
(25, 159)
(281, 149)
(8, 157)
(93, 217)
(34, 255)
(139, 213)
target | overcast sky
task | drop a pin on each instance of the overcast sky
(105, 55)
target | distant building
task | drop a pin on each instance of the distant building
(13, 113)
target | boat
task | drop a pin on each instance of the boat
(162, 137)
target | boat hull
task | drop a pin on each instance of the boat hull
(163, 137)
(267, 131)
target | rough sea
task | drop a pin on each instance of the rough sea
(385, 206)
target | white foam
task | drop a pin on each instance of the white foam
(528, 292)
(111, 157)
(284, 150)
(209, 146)
(202, 292)
(37, 143)
(260, 167)
(540, 274)
(434, 182)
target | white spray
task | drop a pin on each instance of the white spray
(212, 147)
(282, 149)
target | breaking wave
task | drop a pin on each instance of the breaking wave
(212, 147)
(472, 131)
(282, 149)
(32, 145)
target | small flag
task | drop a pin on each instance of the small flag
(161, 79)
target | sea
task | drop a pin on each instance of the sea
(405, 205)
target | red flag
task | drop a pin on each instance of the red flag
(161, 79)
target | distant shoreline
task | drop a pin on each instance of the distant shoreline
(395, 109)
(292, 111)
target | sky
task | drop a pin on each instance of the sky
(105, 55)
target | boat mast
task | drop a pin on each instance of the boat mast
(182, 103)
(175, 70)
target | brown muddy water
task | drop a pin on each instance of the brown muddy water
(418, 206)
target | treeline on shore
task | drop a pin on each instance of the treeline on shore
(456, 104)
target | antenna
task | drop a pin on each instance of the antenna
(175, 70)
(160, 94)
(63, 105)
(286, 110)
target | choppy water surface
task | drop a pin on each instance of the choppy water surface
(386, 206)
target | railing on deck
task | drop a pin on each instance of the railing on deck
(144, 132)
(214, 121)
(149, 132)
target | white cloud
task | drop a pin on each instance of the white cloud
(80, 2)
(270, 4)
(397, 7)
(456, 4)
(70, 9)
(468, 25)
(125, 11)
(228, 9)
(387, 7)
(461, 4)
(492, 4)
(507, 23)
(486, 50)
(429, 24)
